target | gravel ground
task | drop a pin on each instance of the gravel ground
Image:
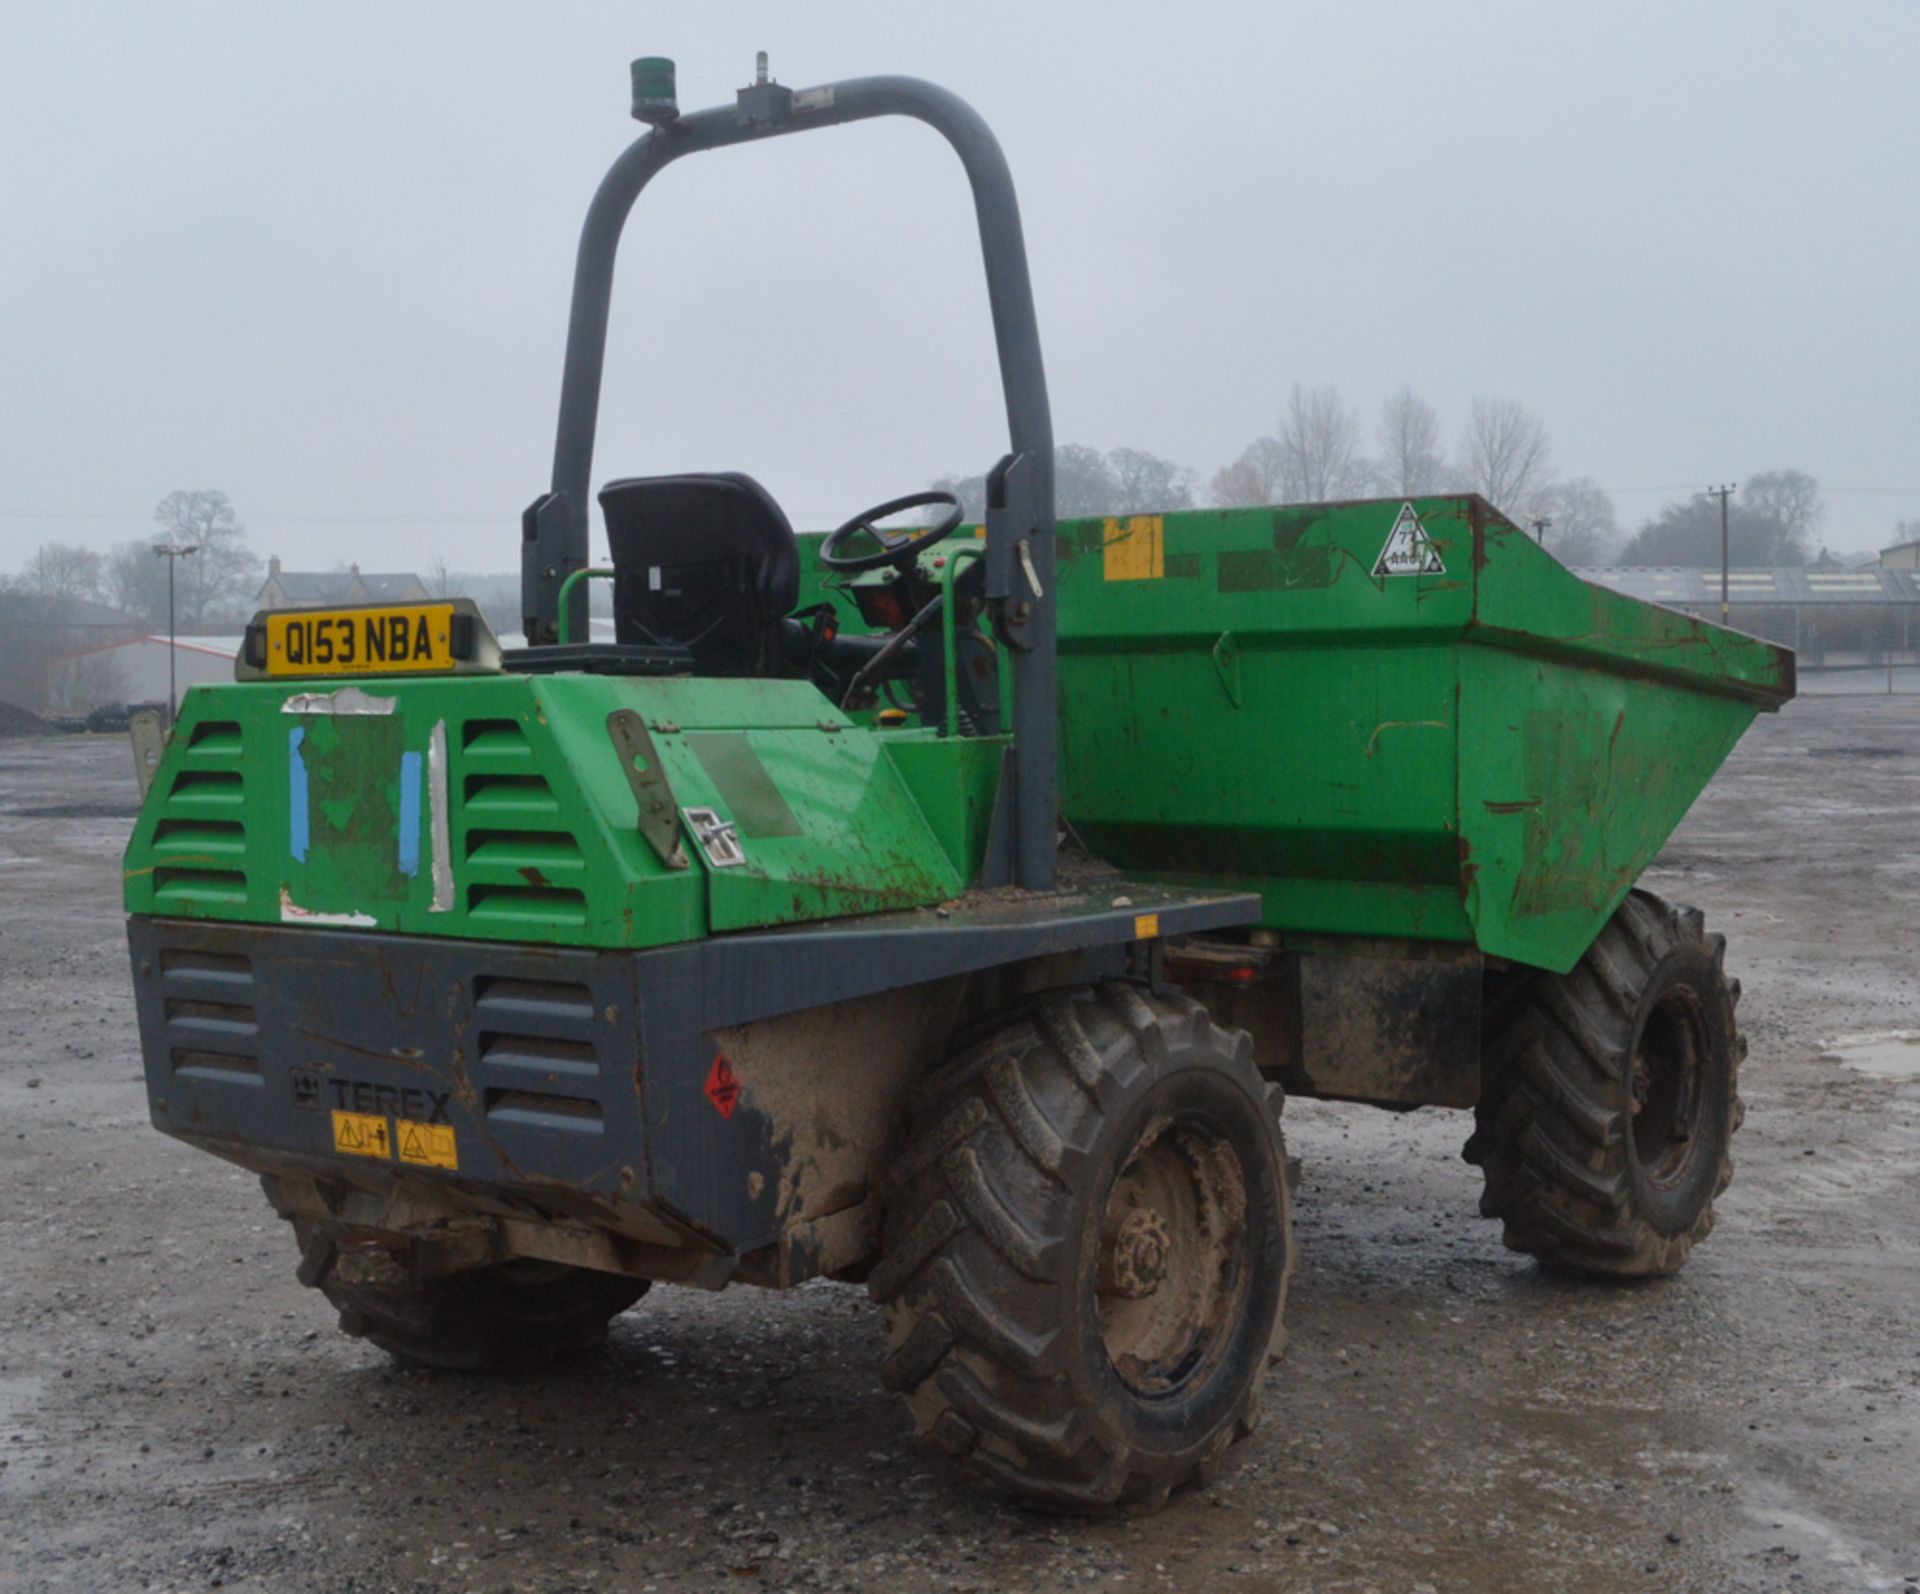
(177, 1413)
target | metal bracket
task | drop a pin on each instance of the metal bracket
(717, 837)
(1226, 664)
(148, 733)
(1013, 584)
(659, 814)
(545, 528)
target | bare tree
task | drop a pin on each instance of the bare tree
(1689, 534)
(63, 570)
(1083, 482)
(1411, 461)
(224, 571)
(1147, 484)
(1505, 456)
(1237, 486)
(79, 683)
(970, 490)
(1253, 479)
(27, 645)
(137, 582)
(1319, 446)
(1585, 530)
(1087, 483)
(1789, 498)
(440, 581)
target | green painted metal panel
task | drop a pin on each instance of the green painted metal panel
(954, 781)
(277, 803)
(827, 825)
(1573, 783)
(1332, 768)
(483, 806)
(1387, 721)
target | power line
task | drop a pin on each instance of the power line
(356, 518)
(1825, 487)
(441, 517)
(263, 517)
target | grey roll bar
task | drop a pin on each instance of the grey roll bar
(1020, 509)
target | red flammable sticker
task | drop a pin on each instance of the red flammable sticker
(723, 1087)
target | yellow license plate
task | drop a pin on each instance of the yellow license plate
(410, 638)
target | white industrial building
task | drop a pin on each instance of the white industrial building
(135, 670)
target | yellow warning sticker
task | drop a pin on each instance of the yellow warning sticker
(1146, 926)
(1134, 549)
(426, 1145)
(361, 1134)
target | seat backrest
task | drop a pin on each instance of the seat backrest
(706, 563)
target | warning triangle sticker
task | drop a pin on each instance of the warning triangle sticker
(1408, 552)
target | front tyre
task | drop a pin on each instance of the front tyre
(1609, 1097)
(1086, 1250)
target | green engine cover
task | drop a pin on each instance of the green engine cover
(497, 807)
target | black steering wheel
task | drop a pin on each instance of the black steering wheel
(897, 548)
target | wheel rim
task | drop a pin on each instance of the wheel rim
(1171, 1273)
(1666, 1094)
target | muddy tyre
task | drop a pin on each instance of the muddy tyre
(1609, 1097)
(516, 1316)
(1086, 1250)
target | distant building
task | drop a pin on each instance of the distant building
(1830, 614)
(315, 589)
(1901, 556)
(135, 671)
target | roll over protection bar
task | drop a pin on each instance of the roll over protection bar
(1020, 507)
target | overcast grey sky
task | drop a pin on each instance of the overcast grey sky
(319, 255)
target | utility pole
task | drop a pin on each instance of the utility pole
(1723, 494)
(172, 552)
(1540, 524)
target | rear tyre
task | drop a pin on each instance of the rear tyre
(516, 1316)
(1086, 1250)
(1609, 1097)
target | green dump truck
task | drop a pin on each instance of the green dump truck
(943, 907)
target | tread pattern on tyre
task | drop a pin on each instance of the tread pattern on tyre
(977, 1215)
(511, 1317)
(1549, 1137)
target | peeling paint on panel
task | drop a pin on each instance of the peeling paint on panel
(348, 700)
(292, 913)
(437, 820)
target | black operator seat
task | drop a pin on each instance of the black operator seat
(707, 563)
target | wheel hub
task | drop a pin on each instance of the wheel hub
(1172, 1266)
(1666, 1091)
(1133, 1258)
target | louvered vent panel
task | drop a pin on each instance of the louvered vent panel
(212, 1029)
(522, 868)
(200, 840)
(539, 1064)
